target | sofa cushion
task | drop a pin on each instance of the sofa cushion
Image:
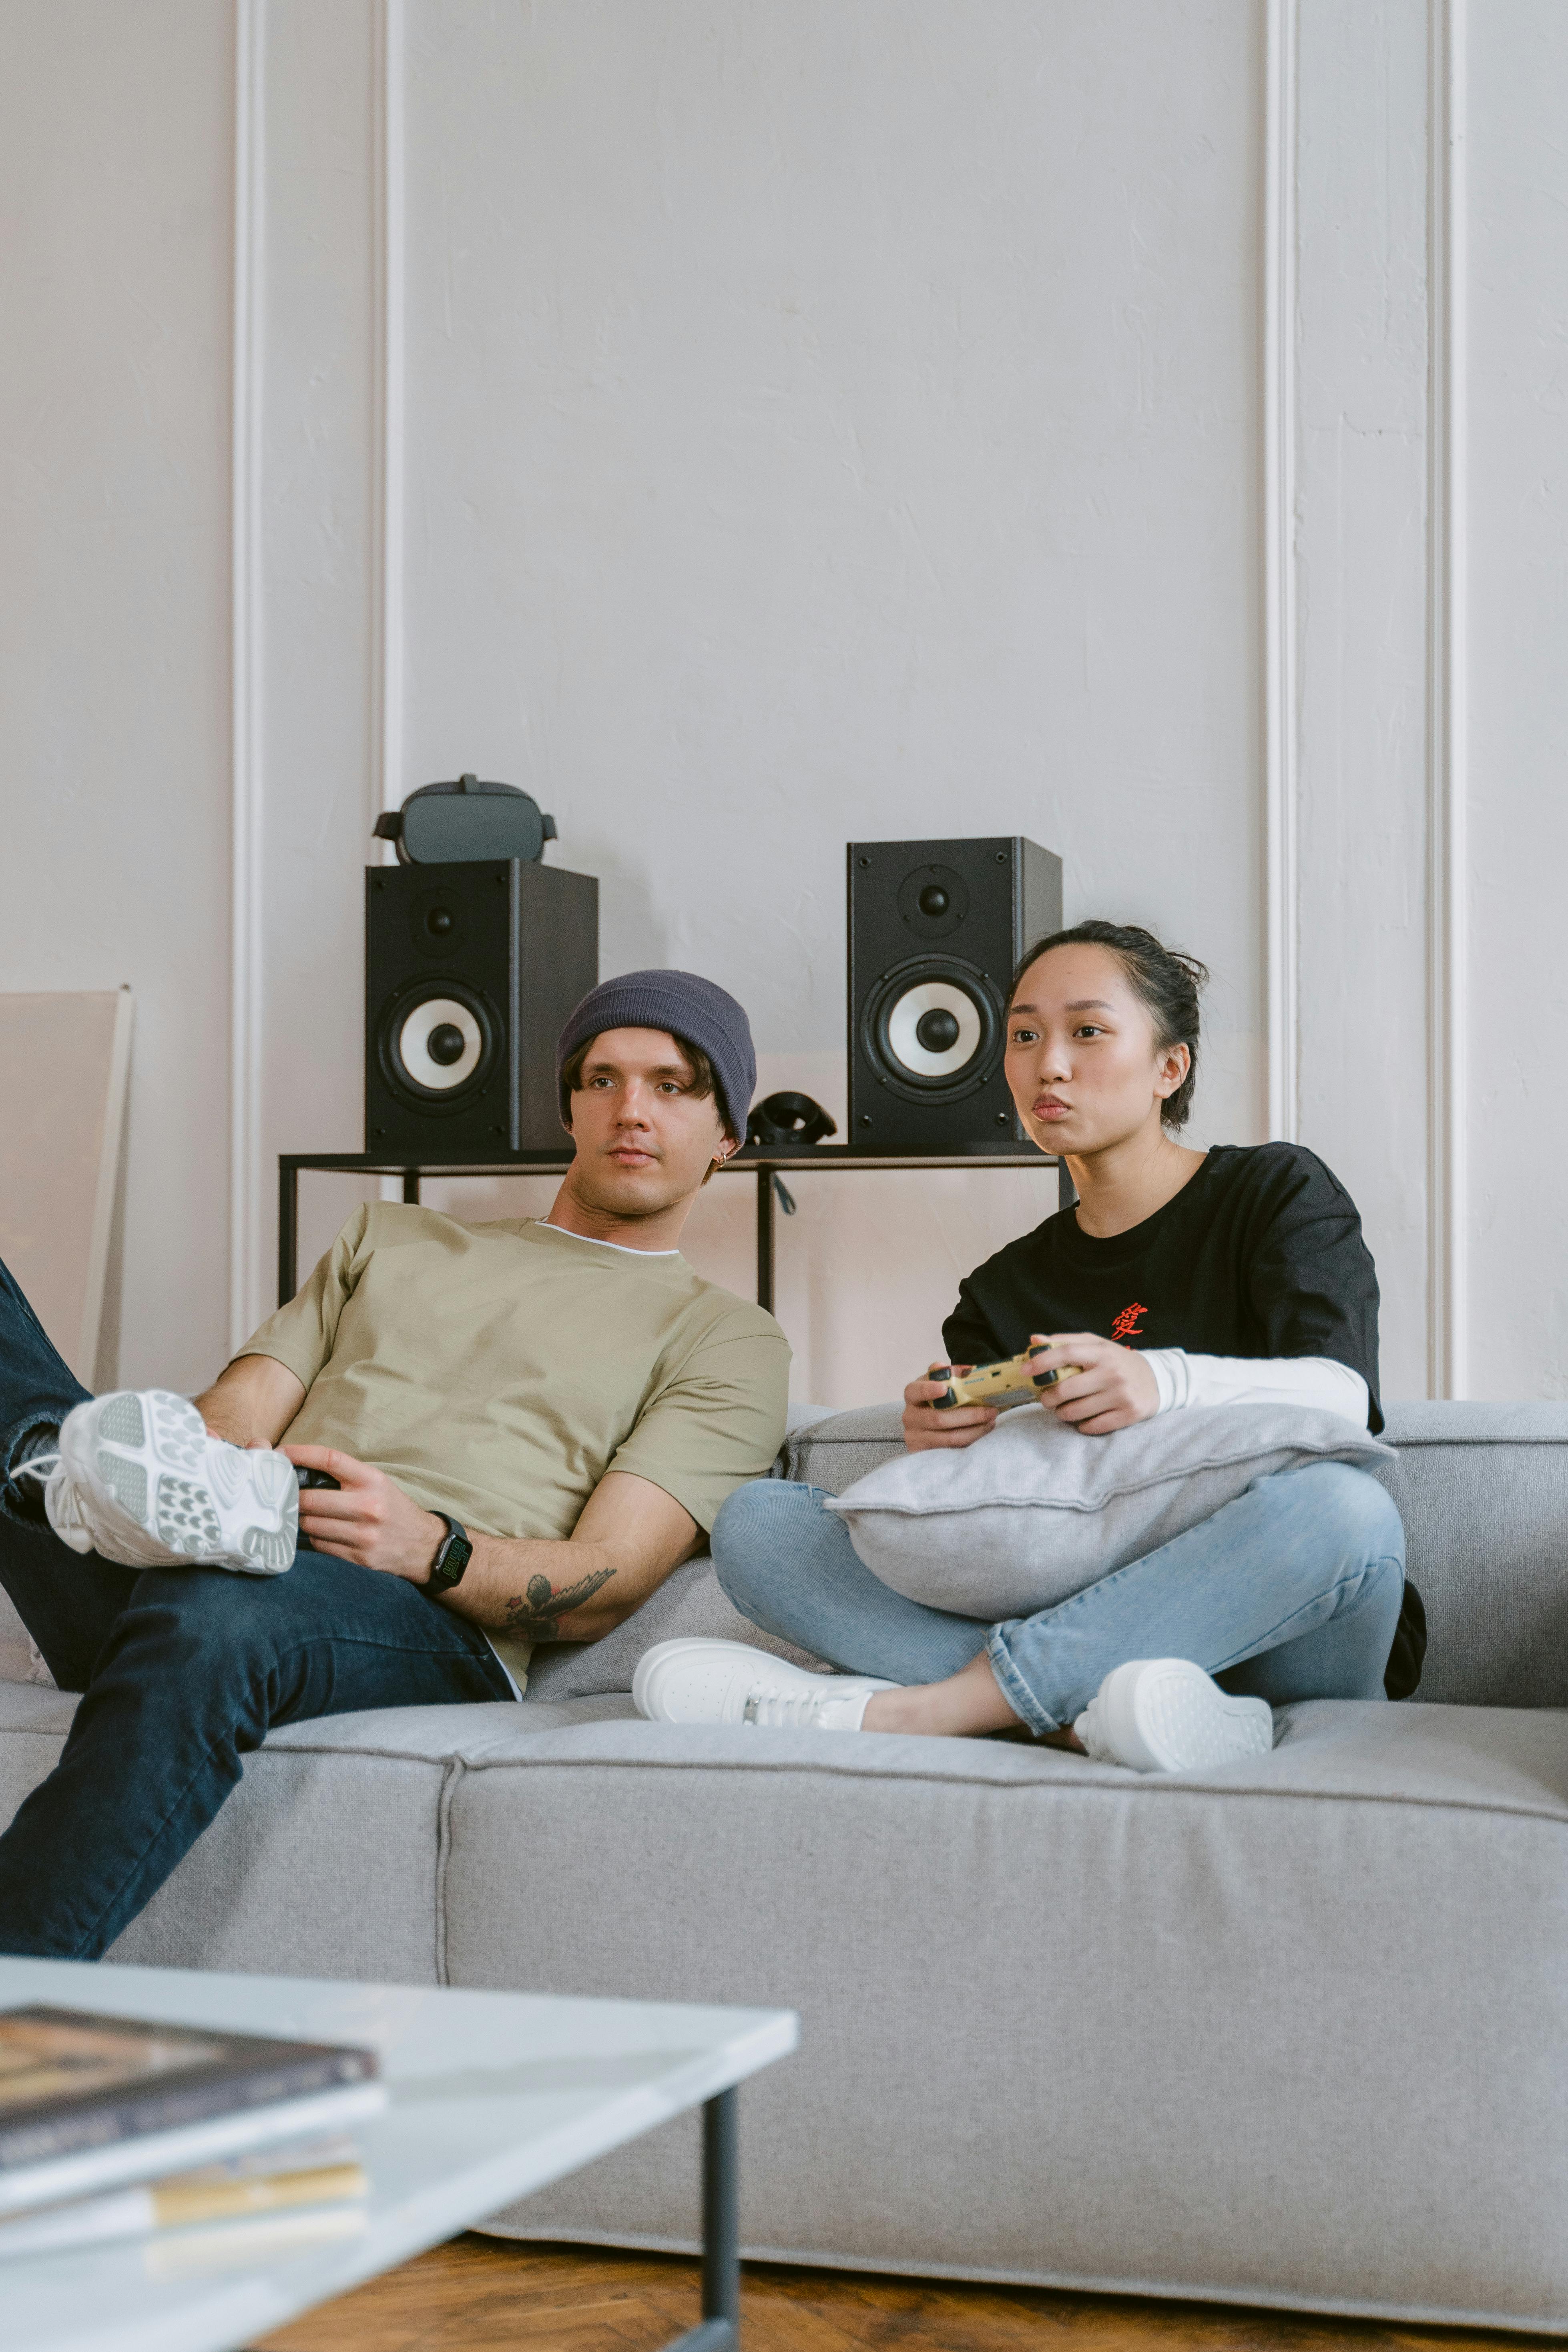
(19, 1659)
(688, 1603)
(835, 1451)
(1293, 2031)
(327, 1859)
(1483, 1492)
(1034, 1511)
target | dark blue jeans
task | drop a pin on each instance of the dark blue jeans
(183, 1672)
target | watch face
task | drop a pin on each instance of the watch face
(455, 1555)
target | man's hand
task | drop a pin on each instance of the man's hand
(369, 1520)
(1113, 1388)
(628, 1537)
(925, 1427)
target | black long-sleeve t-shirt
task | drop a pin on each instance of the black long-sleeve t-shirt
(1260, 1254)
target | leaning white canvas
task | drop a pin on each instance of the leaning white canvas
(64, 1062)
(1034, 1511)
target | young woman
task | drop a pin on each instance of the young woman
(1180, 1278)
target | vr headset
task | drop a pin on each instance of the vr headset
(458, 823)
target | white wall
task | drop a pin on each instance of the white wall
(832, 420)
(115, 193)
(830, 423)
(319, 369)
(1518, 510)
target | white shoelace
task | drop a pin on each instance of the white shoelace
(71, 1515)
(776, 1710)
(804, 1710)
(39, 1465)
(59, 1497)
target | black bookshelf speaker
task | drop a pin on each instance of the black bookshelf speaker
(935, 929)
(470, 971)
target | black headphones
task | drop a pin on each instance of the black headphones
(788, 1118)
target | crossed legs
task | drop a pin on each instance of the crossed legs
(1291, 1591)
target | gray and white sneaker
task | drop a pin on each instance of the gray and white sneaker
(1165, 1715)
(138, 1479)
(694, 1681)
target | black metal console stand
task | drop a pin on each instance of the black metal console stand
(768, 1167)
(720, 2329)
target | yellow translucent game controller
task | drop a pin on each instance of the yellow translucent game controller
(1013, 1378)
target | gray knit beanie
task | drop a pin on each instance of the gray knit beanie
(693, 1010)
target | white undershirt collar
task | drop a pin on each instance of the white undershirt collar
(592, 1241)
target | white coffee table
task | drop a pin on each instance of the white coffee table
(493, 2095)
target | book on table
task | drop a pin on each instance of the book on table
(289, 2177)
(91, 2103)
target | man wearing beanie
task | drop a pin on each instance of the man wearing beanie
(521, 1427)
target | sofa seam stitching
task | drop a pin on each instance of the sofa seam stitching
(453, 1768)
(1150, 1786)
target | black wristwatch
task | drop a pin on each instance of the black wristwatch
(452, 1557)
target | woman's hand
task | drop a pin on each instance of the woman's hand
(925, 1427)
(1113, 1386)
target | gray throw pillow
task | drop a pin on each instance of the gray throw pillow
(1034, 1512)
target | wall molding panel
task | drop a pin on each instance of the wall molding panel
(1281, 864)
(245, 1291)
(1448, 864)
(387, 425)
(387, 500)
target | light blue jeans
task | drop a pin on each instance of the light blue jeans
(1291, 1591)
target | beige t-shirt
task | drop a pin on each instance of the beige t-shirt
(497, 1372)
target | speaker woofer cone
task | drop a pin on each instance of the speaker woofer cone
(959, 1014)
(416, 1035)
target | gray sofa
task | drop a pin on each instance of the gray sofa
(1292, 2032)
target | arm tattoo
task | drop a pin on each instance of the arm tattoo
(536, 1616)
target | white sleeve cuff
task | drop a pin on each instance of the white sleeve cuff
(1169, 1365)
(1318, 1381)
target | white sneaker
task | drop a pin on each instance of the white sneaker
(727, 1682)
(1165, 1715)
(139, 1480)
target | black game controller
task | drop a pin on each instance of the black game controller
(317, 1478)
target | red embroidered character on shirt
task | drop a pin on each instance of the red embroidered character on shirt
(1126, 1324)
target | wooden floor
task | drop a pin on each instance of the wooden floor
(482, 2294)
